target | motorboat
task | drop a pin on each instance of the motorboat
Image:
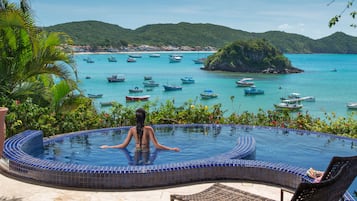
(208, 94)
(288, 106)
(137, 98)
(147, 77)
(245, 82)
(136, 90)
(253, 91)
(89, 60)
(175, 58)
(135, 56)
(296, 97)
(116, 78)
(352, 105)
(168, 87)
(112, 59)
(150, 83)
(305, 98)
(131, 60)
(187, 80)
(106, 104)
(95, 95)
(155, 55)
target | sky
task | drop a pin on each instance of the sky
(305, 17)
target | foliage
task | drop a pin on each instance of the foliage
(29, 116)
(334, 20)
(31, 59)
(254, 56)
(96, 33)
(83, 117)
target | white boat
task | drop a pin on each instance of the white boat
(131, 60)
(296, 97)
(352, 105)
(150, 83)
(175, 58)
(155, 55)
(245, 82)
(208, 94)
(289, 106)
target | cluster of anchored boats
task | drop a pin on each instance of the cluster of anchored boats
(149, 84)
(292, 103)
(132, 58)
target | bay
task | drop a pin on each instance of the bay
(332, 90)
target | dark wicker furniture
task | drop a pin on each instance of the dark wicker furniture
(336, 179)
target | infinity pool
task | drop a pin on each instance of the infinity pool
(298, 148)
(275, 148)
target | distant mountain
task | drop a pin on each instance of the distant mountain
(95, 33)
(337, 42)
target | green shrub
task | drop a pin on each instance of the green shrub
(27, 115)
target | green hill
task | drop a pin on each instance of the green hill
(96, 33)
(93, 33)
(182, 34)
(253, 56)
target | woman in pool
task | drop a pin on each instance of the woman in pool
(142, 135)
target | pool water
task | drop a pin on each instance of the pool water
(299, 148)
(195, 143)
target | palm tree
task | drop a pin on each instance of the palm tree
(31, 60)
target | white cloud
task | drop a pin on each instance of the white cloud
(295, 28)
(284, 27)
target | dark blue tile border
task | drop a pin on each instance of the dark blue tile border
(227, 166)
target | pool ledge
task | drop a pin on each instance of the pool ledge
(227, 166)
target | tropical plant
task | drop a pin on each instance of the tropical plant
(30, 59)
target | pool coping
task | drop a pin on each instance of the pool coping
(219, 167)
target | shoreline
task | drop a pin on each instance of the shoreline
(143, 52)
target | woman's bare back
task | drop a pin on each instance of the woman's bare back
(145, 140)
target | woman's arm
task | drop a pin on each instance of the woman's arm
(122, 145)
(156, 143)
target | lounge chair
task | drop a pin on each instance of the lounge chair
(334, 183)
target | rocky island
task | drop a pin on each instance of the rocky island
(251, 56)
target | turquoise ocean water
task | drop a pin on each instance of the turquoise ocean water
(332, 90)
